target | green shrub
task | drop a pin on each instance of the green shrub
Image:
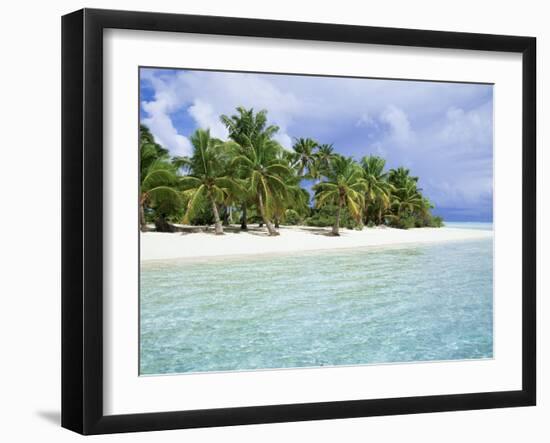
(292, 217)
(325, 217)
(319, 221)
(405, 222)
(436, 222)
(203, 216)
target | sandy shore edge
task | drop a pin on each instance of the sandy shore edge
(186, 245)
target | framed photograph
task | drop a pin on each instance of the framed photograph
(269, 221)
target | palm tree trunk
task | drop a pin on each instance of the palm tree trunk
(336, 226)
(379, 216)
(244, 225)
(277, 222)
(270, 229)
(217, 221)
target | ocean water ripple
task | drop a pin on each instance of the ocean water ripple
(400, 304)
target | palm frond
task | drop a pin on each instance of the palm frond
(197, 200)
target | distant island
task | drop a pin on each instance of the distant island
(251, 178)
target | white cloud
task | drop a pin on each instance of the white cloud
(460, 148)
(165, 133)
(468, 128)
(207, 118)
(380, 150)
(284, 140)
(366, 121)
(399, 124)
(208, 95)
(443, 132)
(158, 116)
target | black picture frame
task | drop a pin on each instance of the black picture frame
(82, 218)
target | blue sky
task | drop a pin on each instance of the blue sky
(442, 132)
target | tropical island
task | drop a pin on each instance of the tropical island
(251, 184)
(310, 235)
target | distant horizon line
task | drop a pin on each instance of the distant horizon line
(467, 221)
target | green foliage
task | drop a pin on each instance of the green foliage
(292, 217)
(159, 196)
(435, 222)
(149, 150)
(405, 222)
(202, 216)
(326, 217)
(304, 156)
(323, 158)
(259, 162)
(409, 208)
(253, 174)
(344, 187)
(208, 183)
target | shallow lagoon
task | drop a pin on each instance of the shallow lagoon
(343, 307)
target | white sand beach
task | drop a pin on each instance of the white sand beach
(194, 242)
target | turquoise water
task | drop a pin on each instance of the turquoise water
(416, 303)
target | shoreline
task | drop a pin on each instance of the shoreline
(194, 244)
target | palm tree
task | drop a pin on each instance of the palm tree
(207, 182)
(400, 176)
(294, 197)
(158, 189)
(423, 213)
(304, 156)
(252, 170)
(150, 150)
(246, 124)
(244, 127)
(378, 188)
(345, 187)
(264, 174)
(383, 204)
(158, 177)
(408, 199)
(181, 163)
(258, 161)
(323, 157)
